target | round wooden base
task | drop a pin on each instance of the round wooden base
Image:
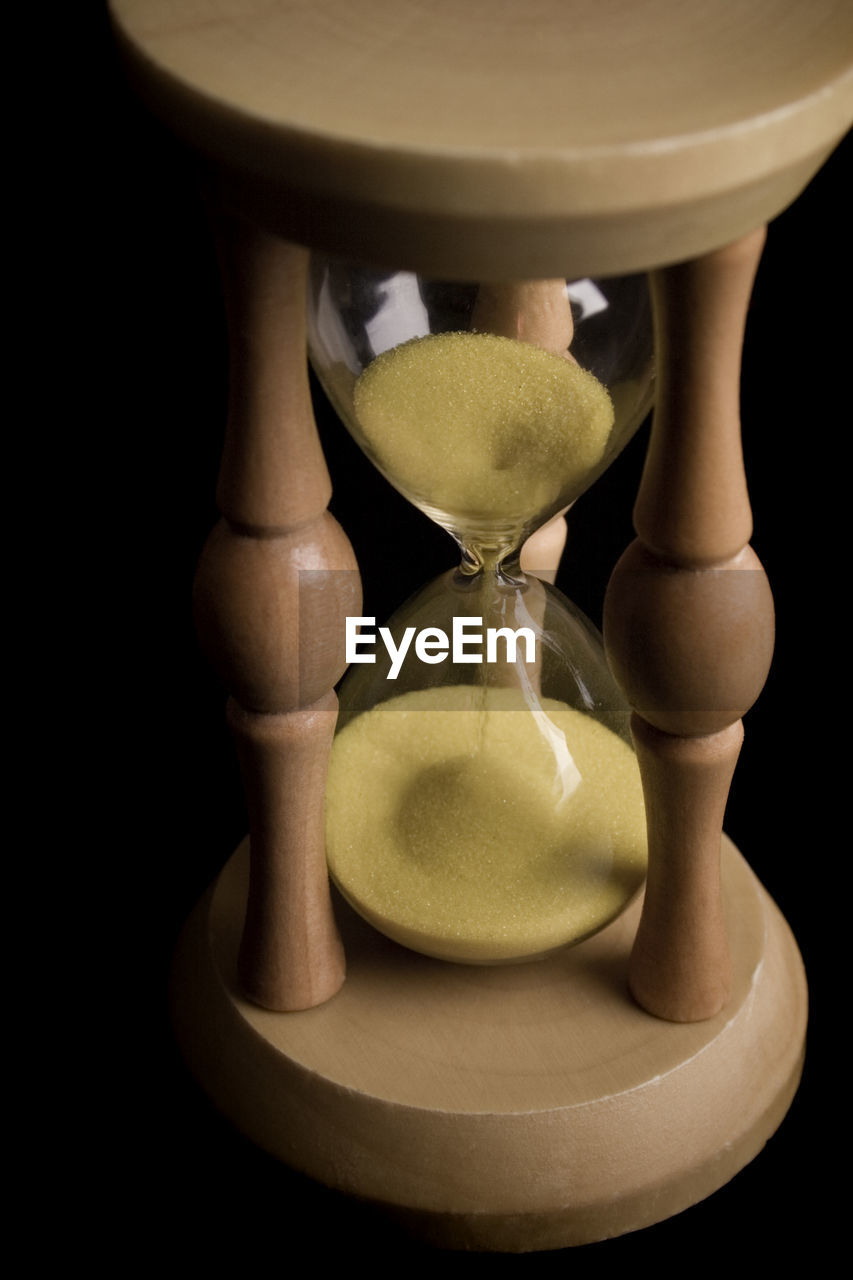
(507, 1108)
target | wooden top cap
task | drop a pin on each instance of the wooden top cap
(502, 138)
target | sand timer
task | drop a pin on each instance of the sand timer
(525, 150)
(483, 801)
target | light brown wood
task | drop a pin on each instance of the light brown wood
(543, 550)
(534, 311)
(538, 312)
(693, 507)
(690, 647)
(275, 582)
(507, 1108)
(688, 626)
(271, 607)
(291, 952)
(680, 967)
(453, 139)
(273, 475)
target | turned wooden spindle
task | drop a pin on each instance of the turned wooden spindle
(543, 550)
(534, 311)
(538, 312)
(276, 579)
(688, 626)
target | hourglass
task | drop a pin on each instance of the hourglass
(652, 1039)
(483, 802)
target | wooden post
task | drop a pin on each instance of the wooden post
(538, 312)
(688, 626)
(276, 579)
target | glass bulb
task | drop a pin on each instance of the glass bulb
(485, 811)
(483, 800)
(489, 406)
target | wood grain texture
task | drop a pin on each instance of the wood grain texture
(513, 1108)
(271, 610)
(273, 475)
(688, 625)
(691, 648)
(487, 141)
(534, 311)
(291, 952)
(542, 551)
(693, 507)
(187, 818)
(538, 312)
(680, 965)
(275, 582)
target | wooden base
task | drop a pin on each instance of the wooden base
(512, 1108)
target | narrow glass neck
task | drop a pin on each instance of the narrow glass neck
(480, 558)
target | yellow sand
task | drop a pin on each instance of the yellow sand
(483, 428)
(445, 829)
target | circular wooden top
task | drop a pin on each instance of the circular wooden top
(457, 132)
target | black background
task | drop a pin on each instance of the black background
(176, 1180)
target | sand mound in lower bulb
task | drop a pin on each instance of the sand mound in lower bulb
(483, 427)
(450, 828)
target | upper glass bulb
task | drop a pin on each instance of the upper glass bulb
(492, 406)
